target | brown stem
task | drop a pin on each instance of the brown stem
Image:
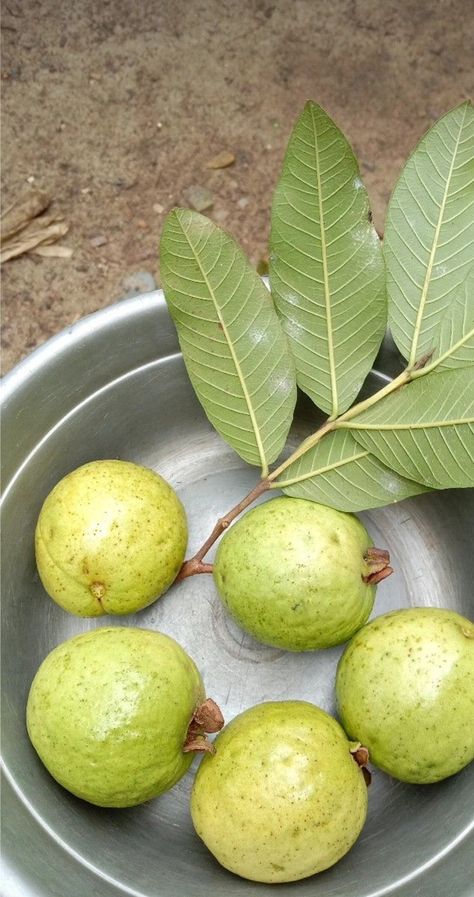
(194, 564)
(378, 561)
(198, 568)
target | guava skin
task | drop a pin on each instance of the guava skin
(110, 539)
(108, 713)
(290, 573)
(405, 687)
(282, 798)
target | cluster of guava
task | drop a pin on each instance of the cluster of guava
(117, 713)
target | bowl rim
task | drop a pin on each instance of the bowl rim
(72, 333)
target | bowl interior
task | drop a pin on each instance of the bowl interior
(118, 389)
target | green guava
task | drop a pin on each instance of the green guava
(284, 795)
(298, 575)
(116, 714)
(405, 687)
(110, 538)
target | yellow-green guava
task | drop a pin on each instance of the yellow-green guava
(110, 538)
(405, 686)
(298, 575)
(116, 713)
(284, 795)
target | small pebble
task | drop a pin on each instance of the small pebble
(243, 202)
(222, 160)
(158, 208)
(100, 240)
(137, 283)
(200, 198)
(123, 183)
(221, 215)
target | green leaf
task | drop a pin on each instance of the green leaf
(233, 345)
(338, 472)
(326, 265)
(429, 236)
(456, 335)
(425, 430)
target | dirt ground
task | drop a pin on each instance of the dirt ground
(115, 108)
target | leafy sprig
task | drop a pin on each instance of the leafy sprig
(332, 283)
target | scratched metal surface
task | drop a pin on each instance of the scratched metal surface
(114, 385)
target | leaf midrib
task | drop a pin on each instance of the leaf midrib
(282, 484)
(238, 369)
(327, 292)
(434, 248)
(427, 425)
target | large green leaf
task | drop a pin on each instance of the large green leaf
(456, 335)
(234, 348)
(429, 236)
(338, 472)
(425, 430)
(326, 265)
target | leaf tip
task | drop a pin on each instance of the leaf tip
(169, 218)
(178, 212)
(314, 108)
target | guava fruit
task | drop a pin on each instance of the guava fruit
(110, 538)
(299, 575)
(284, 795)
(116, 713)
(405, 687)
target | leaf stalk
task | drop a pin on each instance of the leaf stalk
(194, 565)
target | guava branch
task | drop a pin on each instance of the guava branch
(195, 564)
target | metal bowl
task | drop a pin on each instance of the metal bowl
(114, 386)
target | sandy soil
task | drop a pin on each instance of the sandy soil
(115, 108)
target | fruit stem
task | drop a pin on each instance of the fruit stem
(200, 567)
(194, 565)
(206, 718)
(378, 562)
(361, 756)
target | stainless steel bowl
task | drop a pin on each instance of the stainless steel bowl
(114, 386)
